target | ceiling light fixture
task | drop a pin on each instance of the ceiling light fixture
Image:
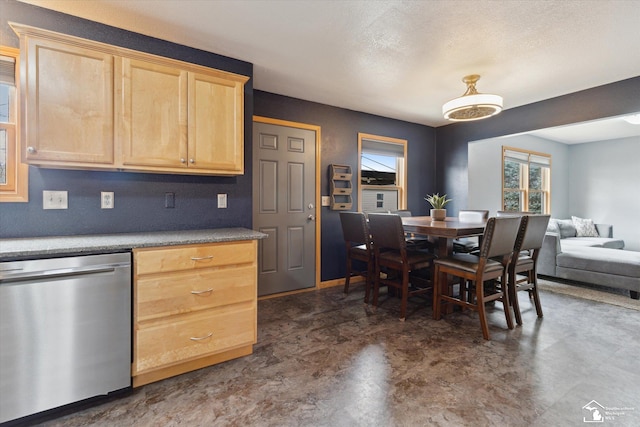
(633, 119)
(472, 105)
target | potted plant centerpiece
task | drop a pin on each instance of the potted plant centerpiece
(438, 213)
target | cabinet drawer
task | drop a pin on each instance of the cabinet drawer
(183, 292)
(193, 335)
(177, 258)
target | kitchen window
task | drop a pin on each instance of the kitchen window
(14, 175)
(526, 181)
(382, 174)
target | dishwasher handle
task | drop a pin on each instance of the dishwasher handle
(61, 272)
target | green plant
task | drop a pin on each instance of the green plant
(437, 201)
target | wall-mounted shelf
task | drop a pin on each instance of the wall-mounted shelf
(341, 188)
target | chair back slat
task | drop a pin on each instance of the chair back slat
(467, 215)
(403, 213)
(536, 229)
(387, 231)
(354, 228)
(500, 236)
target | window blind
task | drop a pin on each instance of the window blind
(7, 70)
(382, 148)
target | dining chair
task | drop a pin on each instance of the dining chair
(414, 242)
(524, 261)
(511, 213)
(401, 264)
(358, 246)
(474, 270)
(469, 244)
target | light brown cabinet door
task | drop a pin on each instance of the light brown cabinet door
(216, 137)
(153, 131)
(68, 104)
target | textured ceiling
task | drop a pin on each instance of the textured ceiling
(399, 59)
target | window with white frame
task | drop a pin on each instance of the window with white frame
(526, 181)
(382, 175)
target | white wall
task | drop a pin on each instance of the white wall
(597, 180)
(485, 172)
(604, 178)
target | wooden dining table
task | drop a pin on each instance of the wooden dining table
(443, 232)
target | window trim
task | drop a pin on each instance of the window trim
(18, 190)
(524, 189)
(402, 173)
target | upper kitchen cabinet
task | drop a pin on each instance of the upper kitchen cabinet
(67, 104)
(153, 128)
(216, 122)
(179, 120)
(96, 106)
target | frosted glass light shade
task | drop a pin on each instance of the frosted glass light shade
(472, 107)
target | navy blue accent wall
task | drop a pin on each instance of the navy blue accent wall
(139, 197)
(609, 100)
(339, 145)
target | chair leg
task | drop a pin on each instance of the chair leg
(404, 295)
(513, 294)
(437, 291)
(376, 285)
(368, 282)
(505, 302)
(481, 311)
(348, 276)
(536, 297)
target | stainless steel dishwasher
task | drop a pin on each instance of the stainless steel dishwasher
(65, 331)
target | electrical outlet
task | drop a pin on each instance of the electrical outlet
(54, 200)
(222, 201)
(170, 200)
(107, 200)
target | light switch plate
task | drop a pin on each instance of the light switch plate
(326, 200)
(54, 200)
(222, 201)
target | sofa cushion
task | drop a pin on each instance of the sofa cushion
(552, 226)
(584, 227)
(602, 260)
(567, 229)
(593, 242)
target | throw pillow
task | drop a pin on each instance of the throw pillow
(567, 229)
(584, 227)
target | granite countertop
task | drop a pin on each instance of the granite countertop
(46, 247)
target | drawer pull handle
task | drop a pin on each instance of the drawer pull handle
(202, 292)
(201, 338)
(194, 258)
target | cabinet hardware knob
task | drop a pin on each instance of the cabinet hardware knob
(191, 161)
(194, 258)
(31, 150)
(202, 338)
(202, 292)
(182, 160)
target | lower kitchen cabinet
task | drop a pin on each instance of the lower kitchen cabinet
(194, 306)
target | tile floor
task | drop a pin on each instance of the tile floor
(323, 359)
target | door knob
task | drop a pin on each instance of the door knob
(311, 218)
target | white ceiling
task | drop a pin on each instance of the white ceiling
(400, 59)
(595, 130)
